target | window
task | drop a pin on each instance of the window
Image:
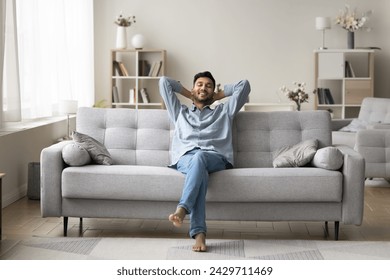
(55, 54)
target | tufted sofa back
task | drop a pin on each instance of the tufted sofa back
(143, 137)
(258, 135)
(375, 110)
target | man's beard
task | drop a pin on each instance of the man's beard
(205, 101)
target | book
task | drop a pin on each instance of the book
(328, 96)
(117, 69)
(144, 95)
(123, 69)
(155, 69)
(132, 96)
(152, 67)
(321, 96)
(349, 73)
(143, 68)
(115, 94)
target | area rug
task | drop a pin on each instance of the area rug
(108, 248)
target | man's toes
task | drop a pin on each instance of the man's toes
(175, 220)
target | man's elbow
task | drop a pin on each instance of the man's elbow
(246, 85)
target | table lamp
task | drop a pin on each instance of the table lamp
(68, 107)
(323, 23)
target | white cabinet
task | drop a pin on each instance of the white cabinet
(343, 78)
(134, 77)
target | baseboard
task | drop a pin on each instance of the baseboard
(15, 195)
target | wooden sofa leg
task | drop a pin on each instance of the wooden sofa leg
(65, 226)
(336, 230)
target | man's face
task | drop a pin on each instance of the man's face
(203, 91)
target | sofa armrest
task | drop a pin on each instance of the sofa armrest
(339, 123)
(52, 165)
(374, 146)
(353, 185)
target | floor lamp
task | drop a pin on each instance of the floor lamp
(323, 23)
(68, 107)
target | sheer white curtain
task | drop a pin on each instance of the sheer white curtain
(55, 50)
(2, 41)
(11, 86)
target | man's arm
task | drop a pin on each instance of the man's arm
(168, 89)
(238, 93)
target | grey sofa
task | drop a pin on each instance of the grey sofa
(369, 135)
(140, 185)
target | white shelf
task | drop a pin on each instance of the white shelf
(349, 77)
(130, 74)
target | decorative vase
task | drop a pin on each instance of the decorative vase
(298, 105)
(351, 40)
(138, 41)
(121, 37)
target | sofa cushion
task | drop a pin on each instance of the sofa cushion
(75, 155)
(96, 150)
(328, 158)
(297, 155)
(148, 183)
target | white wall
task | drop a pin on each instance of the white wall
(20, 148)
(269, 42)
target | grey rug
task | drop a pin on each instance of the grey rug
(172, 249)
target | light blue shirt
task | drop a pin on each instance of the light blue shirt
(207, 129)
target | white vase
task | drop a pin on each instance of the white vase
(121, 37)
(138, 41)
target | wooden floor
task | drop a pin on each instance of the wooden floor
(22, 220)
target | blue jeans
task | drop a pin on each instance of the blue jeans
(197, 164)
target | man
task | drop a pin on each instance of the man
(202, 142)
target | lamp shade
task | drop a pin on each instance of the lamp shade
(323, 23)
(138, 41)
(68, 106)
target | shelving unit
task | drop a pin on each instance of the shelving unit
(134, 70)
(349, 77)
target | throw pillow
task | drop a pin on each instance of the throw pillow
(96, 150)
(354, 126)
(328, 158)
(75, 155)
(297, 155)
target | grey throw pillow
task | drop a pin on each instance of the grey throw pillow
(75, 155)
(297, 155)
(328, 158)
(96, 150)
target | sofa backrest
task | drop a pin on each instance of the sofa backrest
(143, 137)
(135, 137)
(375, 110)
(259, 135)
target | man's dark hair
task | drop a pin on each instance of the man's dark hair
(205, 74)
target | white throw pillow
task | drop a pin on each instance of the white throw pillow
(354, 126)
(328, 158)
(297, 155)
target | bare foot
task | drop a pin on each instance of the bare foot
(178, 217)
(200, 243)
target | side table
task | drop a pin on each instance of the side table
(1, 204)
